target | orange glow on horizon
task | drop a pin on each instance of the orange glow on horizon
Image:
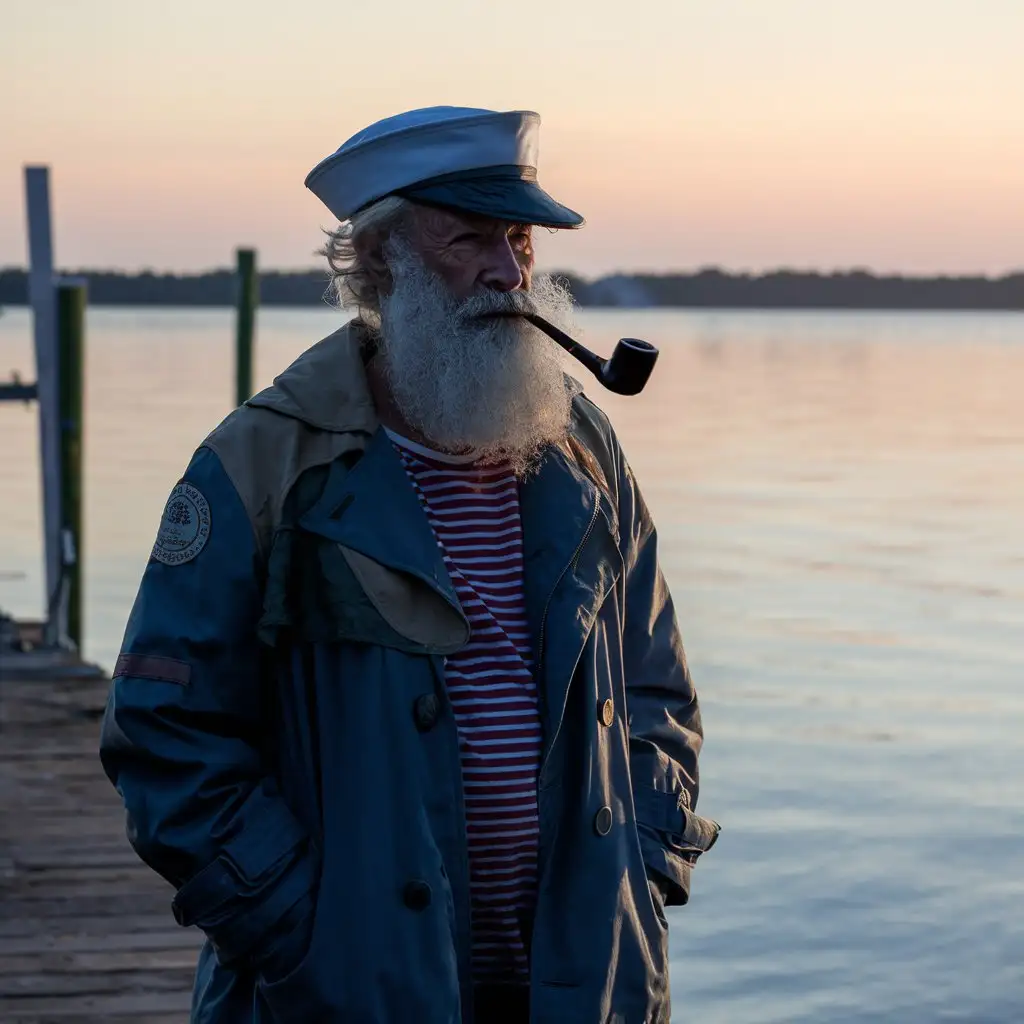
(745, 134)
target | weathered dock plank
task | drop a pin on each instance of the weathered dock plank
(92, 917)
(81, 942)
(91, 1009)
(86, 933)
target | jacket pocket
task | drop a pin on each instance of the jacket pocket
(238, 898)
(671, 838)
(299, 996)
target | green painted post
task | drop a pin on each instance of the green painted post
(245, 322)
(71, 303)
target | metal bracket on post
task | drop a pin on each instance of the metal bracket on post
(66, 593)
(17, 391)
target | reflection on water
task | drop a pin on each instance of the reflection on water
(840, 499)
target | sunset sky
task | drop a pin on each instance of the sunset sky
(748, 134)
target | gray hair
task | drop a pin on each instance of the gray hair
(351, 284)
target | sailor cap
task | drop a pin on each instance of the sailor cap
(480, 161)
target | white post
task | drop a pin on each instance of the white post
(42, 297)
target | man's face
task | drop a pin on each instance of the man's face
(472, 253)
(461, 376)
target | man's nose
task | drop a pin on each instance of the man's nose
(502, 272)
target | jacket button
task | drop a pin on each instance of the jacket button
(425, 711)
(416, 894)
(603, 821)
(606, 713)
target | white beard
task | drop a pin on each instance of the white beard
(491, 386)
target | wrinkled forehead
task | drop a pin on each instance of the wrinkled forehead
(445, 220)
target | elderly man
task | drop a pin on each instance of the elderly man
(402, 710)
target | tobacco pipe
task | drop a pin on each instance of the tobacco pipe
(625, 373)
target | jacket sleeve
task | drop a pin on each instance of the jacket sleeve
(665, 732)
(183, 738)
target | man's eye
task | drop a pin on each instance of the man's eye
(468, 236)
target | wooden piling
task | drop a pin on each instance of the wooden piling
(44, 333)
(245, 322)
(71, 303)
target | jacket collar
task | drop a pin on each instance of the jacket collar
(326, 387)
(372, 508)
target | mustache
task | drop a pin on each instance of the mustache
(491, 303)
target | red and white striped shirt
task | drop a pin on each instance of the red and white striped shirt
(474, 512)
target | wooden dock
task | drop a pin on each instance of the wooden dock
(86, 933)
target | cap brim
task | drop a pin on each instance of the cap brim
(518, 200)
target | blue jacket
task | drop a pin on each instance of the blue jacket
(279, 730)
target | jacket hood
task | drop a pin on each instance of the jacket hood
(326, 387)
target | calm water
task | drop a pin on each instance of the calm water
(841, 504)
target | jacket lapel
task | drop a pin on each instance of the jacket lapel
(571, 562)
(372, 512)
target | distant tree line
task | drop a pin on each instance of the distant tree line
(215, 288)
(777, 290)
(793, 289)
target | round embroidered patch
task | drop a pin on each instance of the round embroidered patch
(185, 526)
